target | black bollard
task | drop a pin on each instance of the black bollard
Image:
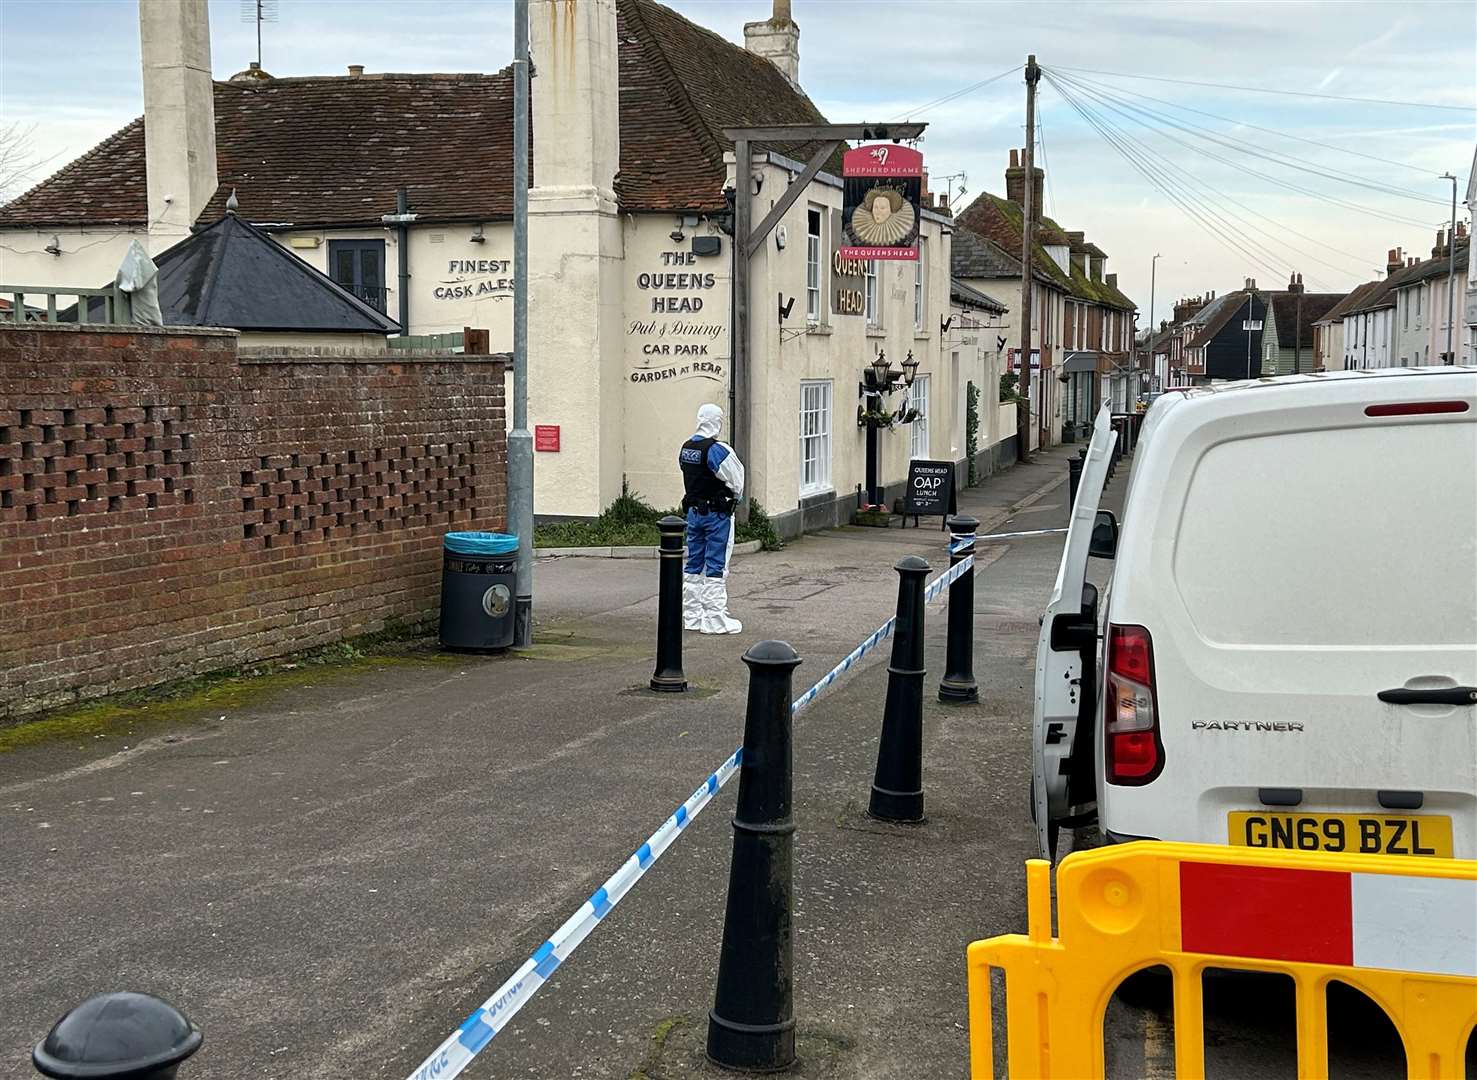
(897, 789)
(669, 676)
(752, 1023)
(958, 686)
(1074, 480)
(123, 1036)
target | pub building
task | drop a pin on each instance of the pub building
(399, 188)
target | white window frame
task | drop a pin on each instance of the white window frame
(872, 294)
(918, 398)
(815, 404)
(919, 273)
(815, 269)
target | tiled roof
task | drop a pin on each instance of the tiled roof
(1382, 295)
(333, 150)
(1351, 302)
(968, 296)
(973, 256)
(1001, 221)
(1285, 309)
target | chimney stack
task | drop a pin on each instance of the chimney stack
(1295, 283)
(179, 116)
(777, 39)
(356, 70)
(1015, 183)
(1440, 249)
(1394, 261)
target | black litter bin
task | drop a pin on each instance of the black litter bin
(478, 578)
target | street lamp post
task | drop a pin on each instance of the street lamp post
(1450, 269)
(880, 380)
(1153, 267)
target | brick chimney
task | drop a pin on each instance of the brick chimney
(1439, 250)
(1112, 280)
(179, 116)
(1015, 182)
(777, 39)
(1295, 283)
(1394, 261)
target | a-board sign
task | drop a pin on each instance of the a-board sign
(930, 488)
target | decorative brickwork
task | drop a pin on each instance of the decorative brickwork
(168, 507)
(89, 461)
(332, 494)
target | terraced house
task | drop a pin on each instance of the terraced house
(1082, 325)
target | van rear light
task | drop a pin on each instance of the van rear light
(1134, 754)
(1415, 408)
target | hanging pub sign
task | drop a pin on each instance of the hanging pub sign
(883, 192)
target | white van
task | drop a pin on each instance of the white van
(1286, 655)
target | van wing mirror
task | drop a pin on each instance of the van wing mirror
(1103, 543)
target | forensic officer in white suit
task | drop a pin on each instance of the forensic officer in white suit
(713, 479)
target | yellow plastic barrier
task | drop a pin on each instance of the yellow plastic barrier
(1401, 930)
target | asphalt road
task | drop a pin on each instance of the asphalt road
(329, 878)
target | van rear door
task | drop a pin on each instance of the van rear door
(1308, 582)
(1065, 636)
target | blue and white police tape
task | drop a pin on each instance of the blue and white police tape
(1020, 535)
(466, 1042)
(453, 1055)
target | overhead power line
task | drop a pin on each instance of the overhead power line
(1269, 131)
(1189, 206)
(971, 88)
(1242, 146)
(1222, 197)
(1285, 93)
(1288, 184)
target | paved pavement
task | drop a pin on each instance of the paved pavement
(330, 877)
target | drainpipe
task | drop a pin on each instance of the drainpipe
(402, 219)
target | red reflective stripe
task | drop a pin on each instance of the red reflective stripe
(1266, 913)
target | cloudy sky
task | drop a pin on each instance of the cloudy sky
(1257, 202)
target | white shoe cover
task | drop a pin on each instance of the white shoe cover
(716, 619)
(692, 601)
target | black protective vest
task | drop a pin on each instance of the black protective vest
(703, 489)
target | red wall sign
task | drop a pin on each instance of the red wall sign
(546, 437)
(881, 203)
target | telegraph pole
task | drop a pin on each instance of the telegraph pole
(1028, 239)
(520, 439)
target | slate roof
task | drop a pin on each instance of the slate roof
(1436, 266)
(332, 150)
(973, 256)
(231, 274)
(1285, 309)
(967, 296)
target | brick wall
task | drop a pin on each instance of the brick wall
(169, 507)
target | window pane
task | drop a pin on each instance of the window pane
(343, 270)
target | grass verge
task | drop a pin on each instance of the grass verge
(630, 521)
